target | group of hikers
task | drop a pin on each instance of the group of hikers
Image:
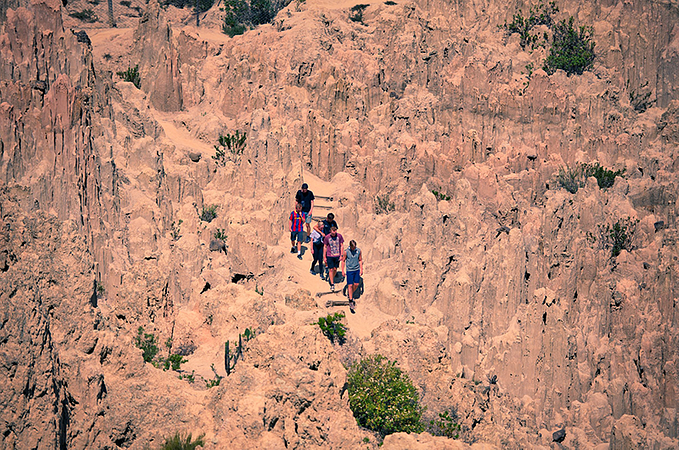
(328, 245)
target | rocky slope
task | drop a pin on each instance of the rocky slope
(502, 302)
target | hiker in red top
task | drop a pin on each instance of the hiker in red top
(297, 219)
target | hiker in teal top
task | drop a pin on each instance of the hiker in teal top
(353, 259)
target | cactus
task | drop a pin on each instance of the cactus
(229, 359)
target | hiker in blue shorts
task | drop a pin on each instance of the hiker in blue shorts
(297, 229)
(353, 259)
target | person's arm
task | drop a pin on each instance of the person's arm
(290, 222)
(343, 258)
(360, 261)
(311, 210)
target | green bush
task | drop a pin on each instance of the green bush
(605, 178)
(86, 15)
(571, 178)
(241, 15)
(220, 234)
(383, 205)
(445, 425)
(383, 398)
(180, 442)
(540, 14)
(332, 327)
(619, 236)
(230, 146)
(131, 75)
(209, 213)
(572, 49)
(440, 195)
(173, 361)
(147, 343)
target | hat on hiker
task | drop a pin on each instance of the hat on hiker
(305, 186)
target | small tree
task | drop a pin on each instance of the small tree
(383, 398)
(572, 49)
(332, 327)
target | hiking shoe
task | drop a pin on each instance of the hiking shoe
(307, 240)
(352, 306)
(299, 256)
(312, 272)
(293, 250)
(332, 288)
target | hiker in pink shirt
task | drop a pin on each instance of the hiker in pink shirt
(333, 244)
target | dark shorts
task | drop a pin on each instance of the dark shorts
(297, 236)
(333, 262)
(353, 277)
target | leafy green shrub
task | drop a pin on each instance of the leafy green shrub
(86, 15)
(571, 178)
(173, 361)
(188, 377)
(332, 327)
(540, 14)
(572, 49)
(209, 213)
(639, 100)
(619, 236)
(220, 234)
(131, 75)
(383, 398)
(605, 178)
(215, 381)
(242, 15)
(383, 205)
(440, 195)
(147, 343)
(229, 147)
(180, 442)
(445, 425)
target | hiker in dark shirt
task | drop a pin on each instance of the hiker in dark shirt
(306, 198)
(326, 224)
